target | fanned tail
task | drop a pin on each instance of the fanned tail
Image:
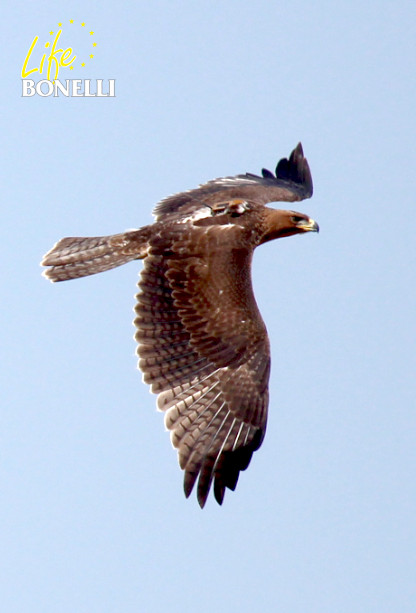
(76, 257)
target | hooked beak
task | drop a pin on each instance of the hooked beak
(308, 225)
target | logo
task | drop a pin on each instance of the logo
(45, 62)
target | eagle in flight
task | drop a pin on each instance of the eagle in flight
(202, 343)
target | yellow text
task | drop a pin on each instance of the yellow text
(53, 60)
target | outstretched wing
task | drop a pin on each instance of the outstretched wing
(291, 182)
(204, 349)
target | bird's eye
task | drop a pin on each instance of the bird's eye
(296, 218)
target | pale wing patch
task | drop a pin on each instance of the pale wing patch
(201, 213)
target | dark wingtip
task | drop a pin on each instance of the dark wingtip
(293, 170)
(296, 169)
(267, 174)
(189, 482)
(219, 491)
(202, 500)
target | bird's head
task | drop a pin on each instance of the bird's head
(280, 223)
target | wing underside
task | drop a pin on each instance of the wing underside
(211, 379)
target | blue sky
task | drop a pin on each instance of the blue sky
(93, 518)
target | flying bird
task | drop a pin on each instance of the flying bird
(202, 343)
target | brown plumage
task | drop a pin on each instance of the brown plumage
(203, 346)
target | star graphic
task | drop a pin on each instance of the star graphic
(91, 56)
(59, 24)
(94, 44)
(91, 33)
(83, 24)
(83, 64)
(51, 33)
(71, 21)
(71, 68)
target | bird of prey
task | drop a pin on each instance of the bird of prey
(202, 344)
